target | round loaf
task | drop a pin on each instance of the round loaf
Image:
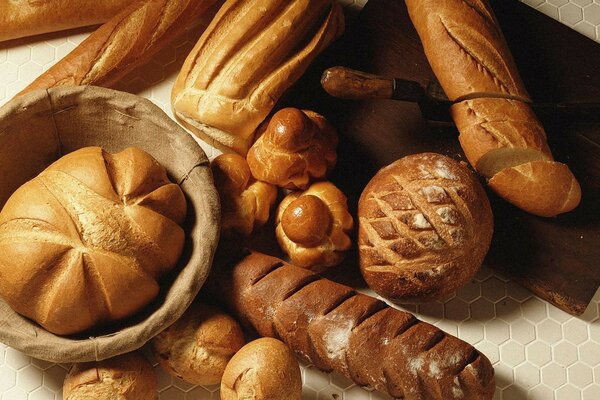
(425, 226)
(126, 377)
(264, 369)
(313, 226)
(86, 241)
(199, 345)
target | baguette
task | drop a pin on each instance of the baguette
(336, 329)
(32, 17)
(499, 133)
(249, 55)
(123, 43)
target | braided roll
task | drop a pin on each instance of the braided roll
(337, 329)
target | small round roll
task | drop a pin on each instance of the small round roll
(313, 226)
(264, 369)
(126, 377)
(198, 346)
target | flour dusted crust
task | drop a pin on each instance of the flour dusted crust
(297, 148)
(264, 369)
(425, 225)
(86, 241)
(198, 346)
(126, 377)
(245, 202)
(313, 226)
(251, 53)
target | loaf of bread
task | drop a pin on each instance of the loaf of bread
(126, 41)
(425, 226)
(245, 202)
(337, 329)
(313, 226)
(499, 133)
(27, 18)
(198, 346)
(264, 369)
(126, 377)
(297, 148)
(86, 241)
(249, 55)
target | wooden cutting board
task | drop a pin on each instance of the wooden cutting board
(556, 258)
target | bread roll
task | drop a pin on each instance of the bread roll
(425, 226)
(249, 55)
(245, 202)
(297, 148)
(199, 345)
(313, 226)
(126, 377)
(123, 43)
(264, 369)
(26, 18)
(87, 240)
(499, 133)
(333, 327)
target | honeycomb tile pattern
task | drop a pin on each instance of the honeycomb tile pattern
(539, 352)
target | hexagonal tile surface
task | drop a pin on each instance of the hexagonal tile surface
(538, 351)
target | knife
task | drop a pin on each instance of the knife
(346, 83)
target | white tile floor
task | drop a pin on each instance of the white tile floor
(538, 351)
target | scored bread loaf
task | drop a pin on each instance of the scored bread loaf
(499, 133)
(27, 18)
(337, 329)
(87, 240)
(249, 55)
(123, 43)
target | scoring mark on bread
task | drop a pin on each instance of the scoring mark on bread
(272, 268)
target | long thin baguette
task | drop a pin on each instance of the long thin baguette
(31, 17)
(499, 133)
(123, 43)
(335, 328)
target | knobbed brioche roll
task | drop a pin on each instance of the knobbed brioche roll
(249, 55)
(297, 148)
(126, 377)
(86, 241)
(264, 369)
(499, 133)
(425, 226)
(245, 202)
(199, 345)
(313, 226)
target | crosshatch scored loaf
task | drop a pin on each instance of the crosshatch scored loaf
(425, 225)
(87, 240)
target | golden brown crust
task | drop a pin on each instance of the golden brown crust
(466, 48)
(245, 202)
(425, 225)
(249, 55)
(264, 369)
(27, 18)
(123, 43)
(101, 228)
(334, 328)
(321, 206)
(297, 148)
(126, 377)
(198, 346)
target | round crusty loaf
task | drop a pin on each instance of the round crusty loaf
(199, 345)
(126, 377)
(264, 369)
(86, 241)
(425, 225)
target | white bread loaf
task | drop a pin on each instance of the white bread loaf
(249, 55)
(499, 133)
(86, 241)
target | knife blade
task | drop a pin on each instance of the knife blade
(346, 83)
